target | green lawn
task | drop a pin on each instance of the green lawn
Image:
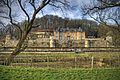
(21, 73)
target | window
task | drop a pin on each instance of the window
(57, 35)
(61, 35)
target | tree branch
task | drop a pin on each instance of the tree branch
(43, 4)
(11, 20)
(32, 2)
(19, 1)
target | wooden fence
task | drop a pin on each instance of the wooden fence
(68, 59)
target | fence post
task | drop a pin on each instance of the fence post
(47, 60)
(92, 62)
(75, 61)
(31, 61)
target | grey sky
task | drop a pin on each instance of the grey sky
(74, 12)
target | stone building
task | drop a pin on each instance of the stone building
(40, 37)
(9, 41)
(61, 37)
(98, 42)
(69, 37)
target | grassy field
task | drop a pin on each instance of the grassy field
(21, 73)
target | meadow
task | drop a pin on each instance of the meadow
(62, 66)
(22, 73)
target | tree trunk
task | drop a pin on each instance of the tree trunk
(17, 50)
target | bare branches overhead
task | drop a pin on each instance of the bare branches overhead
(104, 11)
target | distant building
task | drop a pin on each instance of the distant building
(98, 42)
(40, 37)
(61, 37)
(95, 42)
(69, 37)
(9, 41)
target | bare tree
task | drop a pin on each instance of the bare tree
(28, 8)
(106, 12)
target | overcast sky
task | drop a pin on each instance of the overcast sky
(73, 13)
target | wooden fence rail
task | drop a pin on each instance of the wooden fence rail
(64, 49)
(61, 57)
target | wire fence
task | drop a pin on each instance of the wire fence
(64, 57)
